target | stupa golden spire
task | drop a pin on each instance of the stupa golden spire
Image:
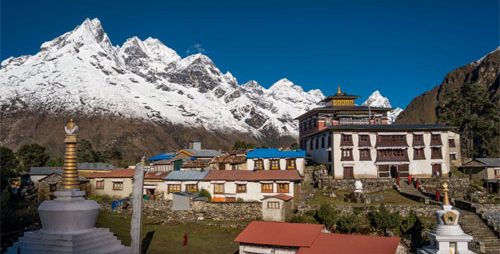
(446, 200)
(70, 173)
(338, 90)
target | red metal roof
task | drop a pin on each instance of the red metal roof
(249, 175)
(115, 173)
(281, 196)
(351, 244)
(155, 175)
(280, 233)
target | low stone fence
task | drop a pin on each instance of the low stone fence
(427, 211)
(369, 185)
(458, 186)
(159, 211)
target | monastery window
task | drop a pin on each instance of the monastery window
(53, 187)
(453, 157)
(275, 164)
(316, 141)
(364, 140)
(346, 140)
(451, 142)
(283, 187)
(258, 164)
(118, 185)
(364, 155)
(171, 188)
(329, 141)
(241, 188)
(273, 205)
(291, 164)
(266, 187)
(329, 156)
(391, 140)
(346, 155)
(436, 153)
(418, 154)
(323, 142)
(418, 140)
(392, 155)
(218, 188)
(436, 139)
(192, 188)
(99, 185)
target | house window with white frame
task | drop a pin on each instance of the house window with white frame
(118, 185)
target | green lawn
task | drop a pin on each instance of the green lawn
(390, 196)
(168, 238)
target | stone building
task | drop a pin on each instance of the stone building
(277, 208)
(358, 142)
(485, 169)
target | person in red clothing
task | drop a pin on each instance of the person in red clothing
(409, 179)
(438, 196)
(397, 180)
(417, 184)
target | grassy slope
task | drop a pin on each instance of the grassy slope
(169, 238)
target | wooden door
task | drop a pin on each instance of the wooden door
(436, 170)
(348, 173)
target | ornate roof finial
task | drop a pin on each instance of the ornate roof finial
(338, 90)
(70, 173)
(446, 200)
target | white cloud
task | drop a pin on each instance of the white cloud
(196, 48)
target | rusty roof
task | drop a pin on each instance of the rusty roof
(115, 173)
(280, 233)
(250, 175)
(327, 243)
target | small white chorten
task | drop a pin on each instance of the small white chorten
(448, 237)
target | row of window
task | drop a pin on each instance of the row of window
(394, 140)
(291, 164)
(117, 185)
(219, 188)
(365, 155)
(320, 142)
(308, 124)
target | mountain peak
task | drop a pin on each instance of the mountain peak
(376, 99)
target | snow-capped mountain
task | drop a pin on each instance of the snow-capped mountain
(81, 71)
(376, 99)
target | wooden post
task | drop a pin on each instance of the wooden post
(136, 223)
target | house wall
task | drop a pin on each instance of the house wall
(490, 173)
(369, 169)
(253, 190)
(264, 249)
(108, 187)
(299, 163)
(169, 196)
(271, 214)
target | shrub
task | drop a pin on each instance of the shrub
(204, 193)
(384, 220)
(327, 214)
(348, 224)
(303, 219)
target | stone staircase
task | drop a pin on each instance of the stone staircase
(473, 225)
(411, 192)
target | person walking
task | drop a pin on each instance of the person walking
(438, 195)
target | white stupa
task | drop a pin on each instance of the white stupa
(448, 237)
(68, 222)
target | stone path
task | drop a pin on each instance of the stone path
(410, 190)
(472, 224)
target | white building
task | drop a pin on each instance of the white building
(382, 151)
(185, 181)
(277, 208)
(274, 159)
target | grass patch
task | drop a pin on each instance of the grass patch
(168, 238)
(390, 196)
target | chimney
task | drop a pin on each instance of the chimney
(196, 145)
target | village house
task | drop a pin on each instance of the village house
(275, 159)
(117, 183)
(301, 238)
(246, 185)
(233, 161)
(485, 169)
(52, 183)
(154, 186)
(37, 173)
(358, 142)
(185, 181)
(277, 208)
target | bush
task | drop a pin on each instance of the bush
(303, 219)
(327, 214)
(349, 224)
(101, 198)
(204, 193)
(384, 220)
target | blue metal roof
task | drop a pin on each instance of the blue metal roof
(186, 175)
(162, 156)
(269, 153)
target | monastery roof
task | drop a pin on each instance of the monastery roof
(250, 175)
(332, 109)
(115, 173)
(280, 233)
(327, 243)
(268, 153)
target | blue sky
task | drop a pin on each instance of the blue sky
(402, 48)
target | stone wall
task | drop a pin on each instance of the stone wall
(369, 185)
(159, 211)
(458, 186)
